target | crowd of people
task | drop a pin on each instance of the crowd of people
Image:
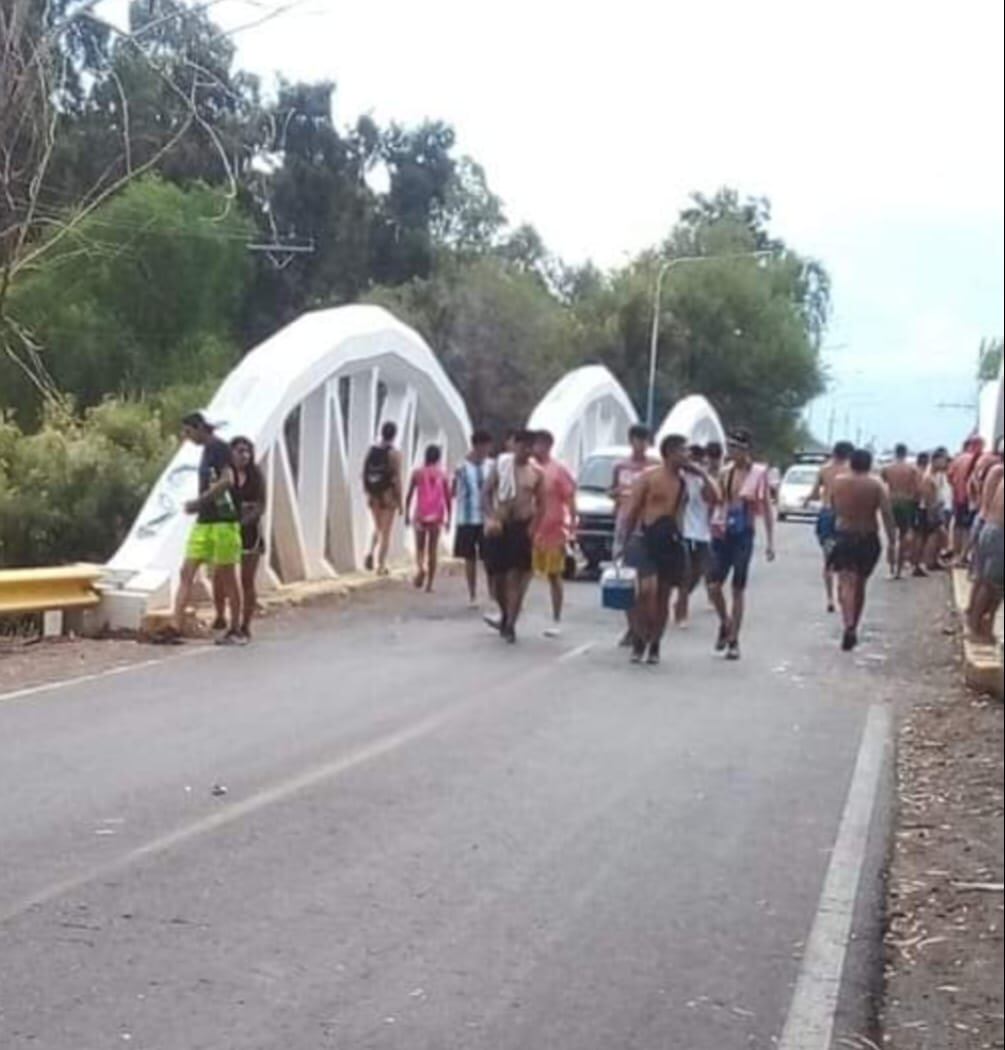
(687, 517)
(938, 511)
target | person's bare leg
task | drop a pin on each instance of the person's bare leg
(249, 591)
(847, 598)
(859, 598)
(557, 597)
(371, 553)
(385, 521)
(736, 615)
(718, 600)
(991, 612)
(219, 600)
(517, 583)
(420, 556)
(471, 578)
(975, 610)
(829, 586)
(232, 589)
(644, 616)
(432, 549)
(662, 611)
(185, 581)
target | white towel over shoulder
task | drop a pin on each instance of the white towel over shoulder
(506, 471)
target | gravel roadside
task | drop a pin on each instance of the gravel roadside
(944, 949)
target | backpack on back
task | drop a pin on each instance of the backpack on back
(377, 477)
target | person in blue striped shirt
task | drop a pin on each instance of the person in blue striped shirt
(468, 487)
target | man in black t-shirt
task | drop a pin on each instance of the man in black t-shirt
(215, 539)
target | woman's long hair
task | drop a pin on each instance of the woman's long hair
(252, 469)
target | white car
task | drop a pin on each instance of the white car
(795, 488)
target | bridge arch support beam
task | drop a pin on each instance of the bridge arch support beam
(586, 409)
(696, 419)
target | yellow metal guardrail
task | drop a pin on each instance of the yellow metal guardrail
(41, 590)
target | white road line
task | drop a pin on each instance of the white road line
(810, 1023)
(235, 811)
(580, 650)
(269, 796)
(65, 683)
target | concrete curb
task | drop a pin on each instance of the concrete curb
(290, 596)
(982, 664)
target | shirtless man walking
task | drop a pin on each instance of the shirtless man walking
(514, 505)
(859, 501)
(657, 552)
(833, 468)
(626, 472)
(989, 549)
(743, 486)
(903, 480)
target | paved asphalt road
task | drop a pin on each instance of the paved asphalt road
(432, 841)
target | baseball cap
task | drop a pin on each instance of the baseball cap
(198, 419)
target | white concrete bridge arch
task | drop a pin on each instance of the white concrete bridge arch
(311, 398)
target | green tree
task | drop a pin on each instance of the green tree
(742, 332)
(989, 359)
(70, 491)
(145, 292)
(502, 337)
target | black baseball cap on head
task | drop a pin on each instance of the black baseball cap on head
(197, 420)
(739, 438)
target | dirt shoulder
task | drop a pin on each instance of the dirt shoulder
(36, 662)
(944, 948)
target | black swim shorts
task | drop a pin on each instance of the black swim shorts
(856, 552)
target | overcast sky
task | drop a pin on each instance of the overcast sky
(875, 128)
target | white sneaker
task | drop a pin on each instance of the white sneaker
(553, 632)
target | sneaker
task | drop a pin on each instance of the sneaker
(627, 640)
(919, 572)
(654, 654)
(722, 640)
(638, 651)
(495, 622)
(509, 635)
(219, 624)
(368, 563)
(848, 640)
(553, 632)
(230, 638)
(733, 651)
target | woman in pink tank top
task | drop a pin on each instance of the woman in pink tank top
(430, 490)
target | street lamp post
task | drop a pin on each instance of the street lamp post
(668, 265)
